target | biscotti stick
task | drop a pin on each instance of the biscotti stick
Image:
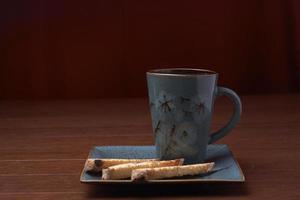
(124, 170)
(96, 165)
(170, 172)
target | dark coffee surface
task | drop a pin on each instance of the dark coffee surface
(178, 71)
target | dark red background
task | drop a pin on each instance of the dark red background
(101, 48)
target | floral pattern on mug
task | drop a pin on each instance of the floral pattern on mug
(165, 106)
(200, 111)
(162, 137)
(180, 141)
(176, 122)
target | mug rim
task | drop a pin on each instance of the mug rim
(168, 72)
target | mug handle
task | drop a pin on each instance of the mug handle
(235, 116)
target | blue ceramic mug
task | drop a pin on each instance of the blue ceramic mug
(181, 102)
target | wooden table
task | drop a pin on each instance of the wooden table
(43, 146)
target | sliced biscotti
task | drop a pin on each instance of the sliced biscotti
(123, 171)
(96, 165)
(170, 171)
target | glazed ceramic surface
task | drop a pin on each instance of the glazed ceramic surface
(181, 103)
(226, 167)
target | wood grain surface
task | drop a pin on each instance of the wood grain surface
(43, 146)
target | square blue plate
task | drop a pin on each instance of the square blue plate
(226, 167)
